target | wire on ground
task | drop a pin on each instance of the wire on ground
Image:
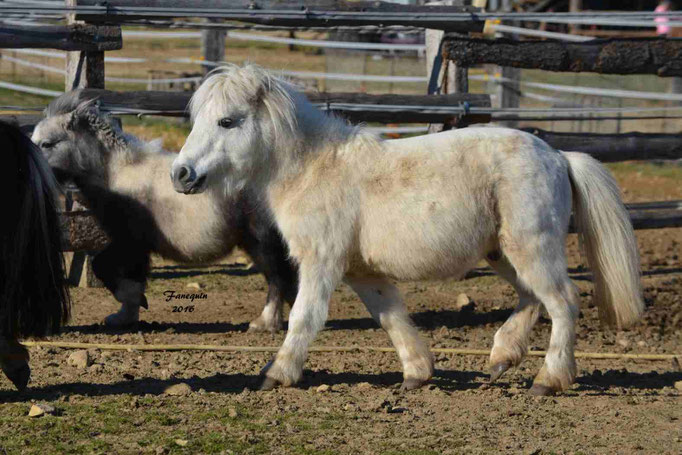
(223, 348)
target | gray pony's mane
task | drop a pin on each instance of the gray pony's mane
(100, 123)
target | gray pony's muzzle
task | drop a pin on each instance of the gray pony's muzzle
(185, 180)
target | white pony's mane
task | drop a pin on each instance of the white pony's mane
(296, 123)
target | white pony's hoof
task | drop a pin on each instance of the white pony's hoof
(497, 370)
(412, 384)
(261, 325)
(540, 390)
(268, 384)
(273, 375)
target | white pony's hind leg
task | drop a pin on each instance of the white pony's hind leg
(385, 304)
(541, 268)
(534, 202)
(511, 340)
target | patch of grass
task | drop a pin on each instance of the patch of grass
(646, 170)
(173, 132)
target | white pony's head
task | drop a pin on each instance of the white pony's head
(240, 115)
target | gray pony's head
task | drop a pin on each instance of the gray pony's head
(76, 137)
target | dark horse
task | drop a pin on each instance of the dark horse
(125, 184)
(34, 298)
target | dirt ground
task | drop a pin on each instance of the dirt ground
(118, 404)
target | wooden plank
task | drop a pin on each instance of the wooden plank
(212, 47)
(175, 103)
(84, 69)
(81, 232)
(292, 13)
(655, 219)
(676, 205)
(662, 57)
(615, 147)
(74, 37)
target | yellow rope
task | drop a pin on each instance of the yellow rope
(212, 347)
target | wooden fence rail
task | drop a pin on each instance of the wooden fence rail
(662, 57)
(615, 147)
(289, 13)
(603, 147)
(74, 37)
(81, 232)
(413, 108)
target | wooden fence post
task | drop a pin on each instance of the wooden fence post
(456, 80)
(508, 90)
(212, 47)
(84, 69)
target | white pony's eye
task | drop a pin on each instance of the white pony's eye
(225, 122)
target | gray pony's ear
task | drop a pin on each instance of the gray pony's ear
(83, 112)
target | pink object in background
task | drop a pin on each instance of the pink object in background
(662, 28)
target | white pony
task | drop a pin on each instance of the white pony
(357, 208)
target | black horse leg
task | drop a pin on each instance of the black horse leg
(268, 251)
(124, 272)
(14, 362)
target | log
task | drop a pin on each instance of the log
(655, 219)
(662, 57)
(74, 37)
(81, 232)
(677, 205)
(84, 69)
(291, 13)
(615, 147)
(175, 104)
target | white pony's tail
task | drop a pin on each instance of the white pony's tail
(608, 240)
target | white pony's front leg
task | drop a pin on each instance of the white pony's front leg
(385, 304)
(307, 317)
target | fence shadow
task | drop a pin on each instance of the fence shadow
(150, 327)
(235, 383)
(168, 272)
(426, 320)
(599, 382)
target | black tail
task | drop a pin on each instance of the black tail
(34, 298)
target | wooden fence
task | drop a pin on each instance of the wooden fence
(89, 41)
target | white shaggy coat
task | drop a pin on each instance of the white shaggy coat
(353, 207)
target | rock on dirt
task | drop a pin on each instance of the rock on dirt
(180, 389)
(678, 385)
(364, 386)
(41, 409)
(194, 285)
(323, 388)
(464, 303)
(80, 359)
